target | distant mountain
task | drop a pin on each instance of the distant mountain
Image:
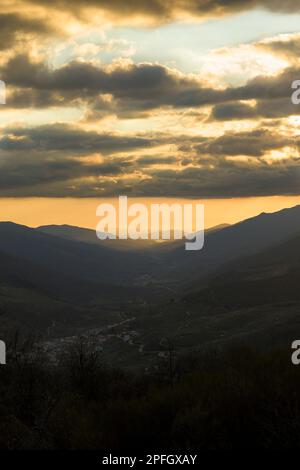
(243, 284)
(72, 258)
(70, 232)
(75, 251)
(216, 228)
(34, 297)
(253, 300)
(38, 293)
(243, 239)
(86, 235)
(271, 276)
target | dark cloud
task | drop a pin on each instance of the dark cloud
(232, 111)
(63, 139)
(135, 87)
(26, 98)
(156, 160)
(14, 26)
(69, 139)
(39, 174)
(270, 109)
(253, 144)
(71, 178)
(272, 96)
(166, 10)
(45, 161)
(265, 88)
(35, 161)
(228, 179)
(287, 46)
(136, 90)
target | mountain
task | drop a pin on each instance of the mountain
(253, 300)
(243, 285)
(34, 298)
(71, 251)
(267, 281)
(243, 239)
(86, 235)
(272, 276)
(249, 300)
(169, 263)
(96, 263)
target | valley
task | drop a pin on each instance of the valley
(241, 289)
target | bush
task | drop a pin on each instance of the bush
(234, 400)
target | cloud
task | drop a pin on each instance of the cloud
(69, 160)
(39, 175)
(254, 143)
(135, 90)
(283, 45)
(160, 11)
(150, 160)
(69, 139)
(55, 160)
(15, 27)
(132, 88)
(269, 109)
(272, 97)
(226, 180)
(38, 160)
(36, 177)
(143, 80)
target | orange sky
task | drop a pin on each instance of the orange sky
(82, 212)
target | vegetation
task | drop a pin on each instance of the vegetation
(237, 399)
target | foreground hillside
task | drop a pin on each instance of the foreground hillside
(234, 400)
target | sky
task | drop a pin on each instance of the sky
(149, 99)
